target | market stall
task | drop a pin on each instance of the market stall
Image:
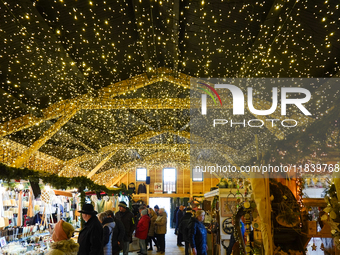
(224, 204)
(32, 202)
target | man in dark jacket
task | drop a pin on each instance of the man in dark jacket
(183, 228)
(90, 238)
(126, 217)
(180, 214)
(198, 234)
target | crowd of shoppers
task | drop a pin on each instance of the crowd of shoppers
(108, 233)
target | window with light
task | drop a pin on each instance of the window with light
(141, 174)
(169, 180)
(197, 175)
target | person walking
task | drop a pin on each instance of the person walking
(198, 234)
(117, 234)
(180, 214)
(183, 228)
(151, 233)
(63, 244)
(160, 229)
(126, 217)
(90, 238)
(142, 230)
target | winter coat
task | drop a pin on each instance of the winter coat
(108, 228)
(118, 233)
(143, 227)
(127, 219)
(153, 217)
(198, 236)
(64, 247)
(160, 224)
(179, 216)
(174, 219)
(90, 238)
(141, 188)
(183, 226)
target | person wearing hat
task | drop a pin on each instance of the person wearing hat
(90, 238)
(126, 217)
(63, 244)
(142, 230)
(156, 208)
(184, 230)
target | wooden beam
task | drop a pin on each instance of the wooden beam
(132, 145)
(107, 158)
(122, 87)
(63, 193)
(182, 80)
(72, 162)
(28, 120)
(58, 109)
(137, 103)
(117, 180)
(191, 188)
(47, 135)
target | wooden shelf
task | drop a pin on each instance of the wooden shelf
(314, 202)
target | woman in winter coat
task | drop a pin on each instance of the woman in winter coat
(63, 245)
(110, 234)
(142, 231)
(198, 234)
(151, 233)
(118, 232)
(160, 229)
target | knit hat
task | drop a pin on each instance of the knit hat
(62, 231)
(144, 212)
(122, 204)
(156, 207)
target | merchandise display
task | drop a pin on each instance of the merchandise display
(26, 222)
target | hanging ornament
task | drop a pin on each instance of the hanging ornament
(322, 247)
(314, 246)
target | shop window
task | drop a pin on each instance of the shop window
(197, 175)
(141, 174)
(169, 180)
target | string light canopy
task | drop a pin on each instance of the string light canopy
(87, 81)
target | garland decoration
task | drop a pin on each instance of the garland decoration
(332, 215)
(8, 173)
